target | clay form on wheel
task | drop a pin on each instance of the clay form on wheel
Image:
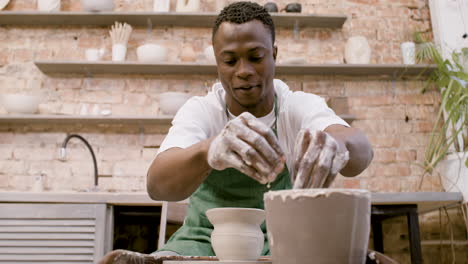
(237, 235)
(324, 225)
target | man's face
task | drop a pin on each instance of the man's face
(246, 65)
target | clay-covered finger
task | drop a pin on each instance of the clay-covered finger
(258, 142)
(322, 167)
(267, 133)
(329, 180)
(317, 140)
(250, 156)
(339, 162)
(301, 143)
(237, 163)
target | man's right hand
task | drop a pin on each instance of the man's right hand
(249, 146)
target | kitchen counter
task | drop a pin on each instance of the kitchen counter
(425, 201)
(135, 199)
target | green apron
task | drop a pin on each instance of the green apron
(226, 188)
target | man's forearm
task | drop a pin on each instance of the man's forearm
(360, 150)
(176, 173)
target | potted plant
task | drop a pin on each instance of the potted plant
(447, 151)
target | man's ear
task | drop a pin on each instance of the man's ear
(275, 52)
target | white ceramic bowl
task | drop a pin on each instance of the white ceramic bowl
(97, 5)
(151, 53)
(237, 235)
(20, 103)
(170, 102)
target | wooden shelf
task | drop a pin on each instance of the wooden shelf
(35, 18)
(108, 120)
(90, 68)
(77, 119)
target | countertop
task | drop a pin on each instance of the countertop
(426, 201)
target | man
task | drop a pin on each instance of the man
(250, 134)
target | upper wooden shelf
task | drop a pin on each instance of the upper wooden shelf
(90, 68)
(78, 119)
(94, 120)
(35, 18)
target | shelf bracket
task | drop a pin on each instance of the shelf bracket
(296, 29)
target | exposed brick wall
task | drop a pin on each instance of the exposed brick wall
(394, 114)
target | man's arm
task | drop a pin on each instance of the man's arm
(356, 142)
(176, 173)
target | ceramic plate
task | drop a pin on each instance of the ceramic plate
(3, 3)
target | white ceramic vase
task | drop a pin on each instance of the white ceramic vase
(237, 235)
(161, 5)
(454, 174)
(152, 53)
(48, 5)
(357, 50)
(119, 52)
(408, 52)
(318, 225)
(208, 52)
(188, 5)
(94, 54)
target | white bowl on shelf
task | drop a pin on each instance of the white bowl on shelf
(97, 5)
(170, 102)
(151, 53)
(20, 103)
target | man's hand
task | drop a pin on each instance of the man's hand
(249, 146)
(318, 157)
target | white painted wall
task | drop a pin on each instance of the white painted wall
(449, 21)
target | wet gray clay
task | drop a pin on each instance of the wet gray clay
(325, 226)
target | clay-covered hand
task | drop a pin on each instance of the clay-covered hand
(249, 146)
(318, 158)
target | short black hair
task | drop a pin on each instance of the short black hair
(243, 12)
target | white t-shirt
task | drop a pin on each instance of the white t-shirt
(202, 117)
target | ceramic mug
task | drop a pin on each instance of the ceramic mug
(408, 50)
(48, 5)
(119, 51)
(94, 54)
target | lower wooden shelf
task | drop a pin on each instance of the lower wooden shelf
(86, 68)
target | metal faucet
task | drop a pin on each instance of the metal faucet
(63, 153)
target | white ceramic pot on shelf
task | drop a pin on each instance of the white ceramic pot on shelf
(408, 52)
(17, 103)
(48, 5)
(152, 53)
(188, 6)
(237, 235)
(161, 5)
(97, 5)
(357, 50)
(209, 54)
(94, 54)
(119, 52)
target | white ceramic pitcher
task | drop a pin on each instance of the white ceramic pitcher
(188, 5)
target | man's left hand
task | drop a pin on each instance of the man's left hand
(318, 158)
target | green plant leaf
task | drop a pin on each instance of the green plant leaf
(466, 162)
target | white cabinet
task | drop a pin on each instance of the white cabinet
(46, 233)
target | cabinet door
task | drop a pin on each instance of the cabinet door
(51, 233)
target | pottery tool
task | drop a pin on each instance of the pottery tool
(120, 33)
